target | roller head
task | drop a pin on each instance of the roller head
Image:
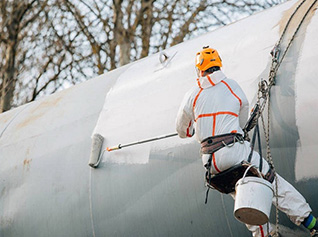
(97, 143)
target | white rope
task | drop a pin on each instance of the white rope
(264, 93)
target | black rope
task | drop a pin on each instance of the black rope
(208, 167)
(207, 195)
(259, 148)
(252, 146)
(256, 132)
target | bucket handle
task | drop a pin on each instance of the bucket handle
(245, 173)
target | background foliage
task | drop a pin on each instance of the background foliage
(48, 45)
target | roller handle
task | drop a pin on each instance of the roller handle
(113, 148)
(140, 142)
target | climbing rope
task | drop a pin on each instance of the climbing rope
(265, 95)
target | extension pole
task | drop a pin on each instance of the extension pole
(119, 146)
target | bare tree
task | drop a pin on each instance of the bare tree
(122, 31)
(33, 58)
(15, 16)
(47, 45)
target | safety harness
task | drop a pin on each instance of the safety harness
(215, 143)
(225, 181)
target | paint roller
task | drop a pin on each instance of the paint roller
(95, 156)
(97, 142)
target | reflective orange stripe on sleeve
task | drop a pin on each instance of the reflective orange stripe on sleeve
(188, 129)
(227, 85)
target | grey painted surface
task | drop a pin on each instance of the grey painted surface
(47, 188)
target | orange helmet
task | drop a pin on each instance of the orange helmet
(207, 58)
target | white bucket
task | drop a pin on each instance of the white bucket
(253, 200)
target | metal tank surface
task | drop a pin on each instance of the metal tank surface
(157, 188)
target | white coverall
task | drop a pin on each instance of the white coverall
(217, 105)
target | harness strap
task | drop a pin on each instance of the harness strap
(270, 175)
(259, 149)
(215, 143)
(256, 132)
(252, 147)
(208, 166)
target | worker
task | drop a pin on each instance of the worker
(216, 109)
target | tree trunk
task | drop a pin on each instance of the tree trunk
(9, 80)
(146, 24)
(124, 54)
